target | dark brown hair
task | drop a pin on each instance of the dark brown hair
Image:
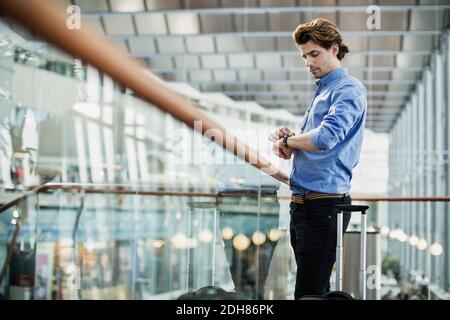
(322, 32)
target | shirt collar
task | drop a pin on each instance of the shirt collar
(331, 76)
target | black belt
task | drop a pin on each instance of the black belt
(316, 196)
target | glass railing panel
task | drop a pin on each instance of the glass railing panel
(121, 245)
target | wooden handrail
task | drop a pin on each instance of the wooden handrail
(123, 189)
(46, 21)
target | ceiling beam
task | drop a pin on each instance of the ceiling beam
(287, 69)
(293, 93)
(282, 34)
(289, 82)
(292, 52)
(262, 10)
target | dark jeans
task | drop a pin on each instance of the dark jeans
(313, 231)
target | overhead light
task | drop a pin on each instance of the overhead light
(384, 230)
(179, 240)
(274, 234)
(422, 244)
(402, 237)
(258, 238)
(413, 240)
(436, 249)
(158, 243)
(241, 242)
(227, 233)
(205, 236)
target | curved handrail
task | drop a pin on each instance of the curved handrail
(46, 21)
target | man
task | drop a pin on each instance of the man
(326, 149)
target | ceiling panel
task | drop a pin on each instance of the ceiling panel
(427, 20)
(275, 75)
(385, 43)
(162, 62)
(299, 76)
(397, 20)
(211, 87)
(201, 4)
(352, 60)
(162, 4)
(353, 2)
(400, 87)
(239, 3)
(190, 62)
(118, 25)
(172, 44)
(381, 61)
(308, 16)
(397, 2)
(90, 6)
(357, 74)
(350, 21)
(141, 45)
(434, 2)
(225, 75)
(241, 60)
(407, 60)
(284, 21)
(200, 75)
(293, 61)
(259, 44)
(317, 2)
(356, 43)
(398, 75)
(234, 87)
(257, 87)
(375, 75)
(183, 23)
(214, 61)
(154, 23)
(267, 61)
(216, 23)
(277, 3)
(249, 75)
(285, 44)
(200, 44)
(280, 87)
(376, 87)
(229, 44)
(417, 43)
(127, 6)
(251, 22)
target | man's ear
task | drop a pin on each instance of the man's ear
(334, 49)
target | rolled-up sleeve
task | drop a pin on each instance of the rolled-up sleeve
(347, 107)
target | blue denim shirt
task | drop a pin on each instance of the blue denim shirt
(335, 123)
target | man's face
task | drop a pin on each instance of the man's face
(319, 61)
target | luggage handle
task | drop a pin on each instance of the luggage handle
(339, 247)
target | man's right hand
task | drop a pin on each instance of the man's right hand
(279, 133)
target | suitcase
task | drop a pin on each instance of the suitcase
(339, 294)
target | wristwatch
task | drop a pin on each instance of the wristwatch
(285, 139)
